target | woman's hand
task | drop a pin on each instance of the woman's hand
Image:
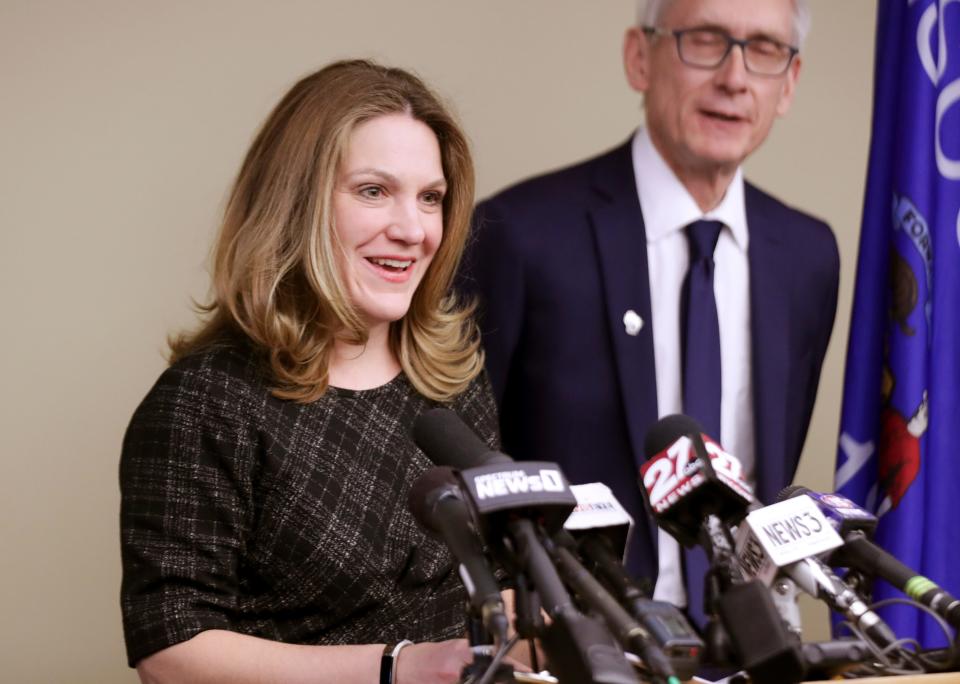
(440, 662)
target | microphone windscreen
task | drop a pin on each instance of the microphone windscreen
(425, 491)
(766, 650)
(791, 491)
(446, 440)
(668, 430)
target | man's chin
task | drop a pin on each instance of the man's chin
(722, 154)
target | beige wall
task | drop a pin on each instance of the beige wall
(121, 125)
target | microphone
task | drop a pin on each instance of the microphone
(827, 659)
(630, 633)
(598, 530)
(692, 486)
(499, 487)
(513, 500)
(448, 441)
(693, 489)
(688, 478)
(577, 645)
(844, 515)
(598, 514)
(854, 525)
(437, 504)
(785, 538)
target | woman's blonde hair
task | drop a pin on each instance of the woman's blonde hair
(275, 270)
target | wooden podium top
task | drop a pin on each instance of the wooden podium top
(939, 678)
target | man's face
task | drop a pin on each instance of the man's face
(710, 120)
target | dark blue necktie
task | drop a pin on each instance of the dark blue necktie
(700, 347)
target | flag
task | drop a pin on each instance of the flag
(899, 447)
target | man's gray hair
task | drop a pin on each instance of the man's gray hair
(650, 11)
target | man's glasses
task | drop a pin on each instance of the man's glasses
(707, 48)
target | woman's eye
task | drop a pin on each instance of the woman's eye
(371, 192)
(433, 197)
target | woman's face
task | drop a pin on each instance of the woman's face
(387, 213)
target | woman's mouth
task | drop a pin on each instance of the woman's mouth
(391, 265)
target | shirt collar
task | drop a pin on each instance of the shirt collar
(668, 206)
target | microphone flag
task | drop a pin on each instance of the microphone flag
(901, 403)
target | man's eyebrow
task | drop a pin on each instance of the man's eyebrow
(759, 33)
(765, 35)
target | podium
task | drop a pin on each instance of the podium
(938, 678)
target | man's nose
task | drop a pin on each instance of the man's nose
(732, 72)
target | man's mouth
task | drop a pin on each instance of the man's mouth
(722, 116)
(392, 265)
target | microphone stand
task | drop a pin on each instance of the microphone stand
(715, 636)
(579, 648)
(483, 648)
(632, 636)
(529, 621)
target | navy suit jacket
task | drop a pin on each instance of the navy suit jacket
(557, 260)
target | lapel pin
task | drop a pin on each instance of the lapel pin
(632, 323)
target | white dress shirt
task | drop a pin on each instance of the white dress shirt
(667, 208)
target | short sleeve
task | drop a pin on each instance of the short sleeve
(186, 474)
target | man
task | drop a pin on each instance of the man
(587, 298)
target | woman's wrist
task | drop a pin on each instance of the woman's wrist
(389, 659)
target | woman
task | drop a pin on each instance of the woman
(265, 533)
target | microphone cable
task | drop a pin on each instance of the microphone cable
(896, 658)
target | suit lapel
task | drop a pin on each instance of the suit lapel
(617, 224)
(769, 323)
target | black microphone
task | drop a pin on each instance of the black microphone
(597, 530)
(599, 515)
(688, 478)
(844, 515)
(829, 659)
(512, 500)
(817, 579)
(498, 487)
(437, 504)
(634, 637)
(578, 647)
(858, 552)
(693, 489)
(784, 539)
(447, 440)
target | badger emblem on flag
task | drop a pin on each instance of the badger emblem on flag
(901, 399)
(900, 431)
